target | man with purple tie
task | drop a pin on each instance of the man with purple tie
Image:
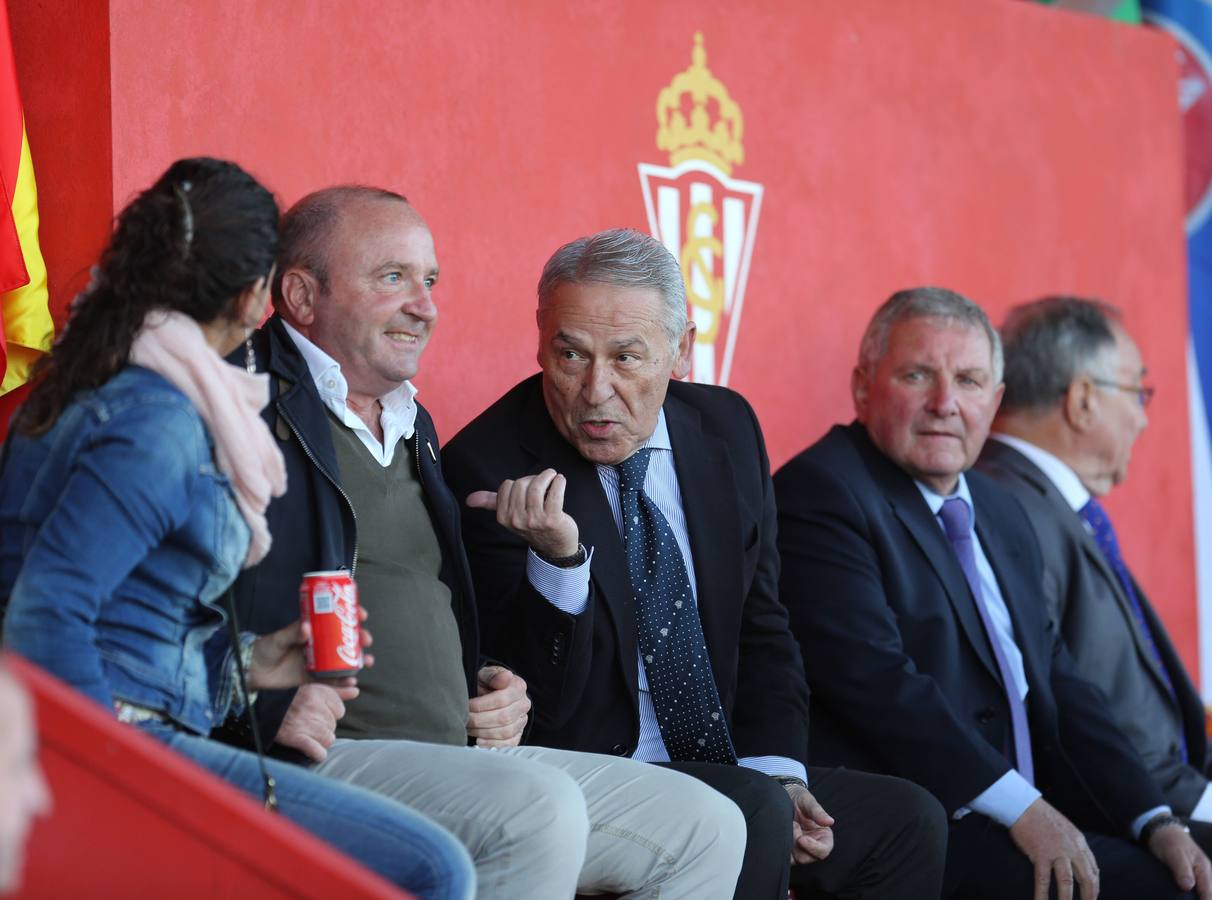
(913, 587)
(1074, 406)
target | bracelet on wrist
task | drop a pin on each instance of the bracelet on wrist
(788, 780)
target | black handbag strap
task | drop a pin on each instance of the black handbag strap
(270, 792)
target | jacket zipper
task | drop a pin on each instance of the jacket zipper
(353, 568)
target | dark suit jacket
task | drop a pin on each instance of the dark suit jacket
(1098, 625)
(313, 525)
(582, 669)
(903, 677)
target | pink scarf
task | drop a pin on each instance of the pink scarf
(229, 400)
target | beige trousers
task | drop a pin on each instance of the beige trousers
(542, 823)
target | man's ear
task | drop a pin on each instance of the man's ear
(681, 363)
(858, 392)
(299, 294)
(1080, 403)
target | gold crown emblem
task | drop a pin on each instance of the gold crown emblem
(718, 140)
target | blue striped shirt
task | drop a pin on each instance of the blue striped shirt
(568, 589)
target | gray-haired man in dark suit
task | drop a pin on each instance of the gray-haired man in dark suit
(1073, 408)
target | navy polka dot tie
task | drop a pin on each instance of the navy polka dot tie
(670, 634)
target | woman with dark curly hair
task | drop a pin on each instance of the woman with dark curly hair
(134, 489)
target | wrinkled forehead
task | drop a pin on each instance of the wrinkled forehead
(959, 343)
(600, 310)
(371, 225)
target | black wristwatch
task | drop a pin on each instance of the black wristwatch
(566, 562)
(1161, 820)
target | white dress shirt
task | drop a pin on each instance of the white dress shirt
(568, 589)
(399, 411)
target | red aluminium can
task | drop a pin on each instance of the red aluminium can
(329, 601)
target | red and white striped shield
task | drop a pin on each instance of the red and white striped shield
(708, 221)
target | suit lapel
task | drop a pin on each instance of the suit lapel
(585, 501)
(916, 518)
(709, 500)
(911, 508)
(1006, 558)
(1007, 457)
(1191, 707)
(1033, 475)
(1096, 558)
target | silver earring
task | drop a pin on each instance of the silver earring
(250, 358)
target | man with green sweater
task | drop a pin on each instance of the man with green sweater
(354, 300)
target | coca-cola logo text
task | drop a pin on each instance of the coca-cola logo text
(346, 611)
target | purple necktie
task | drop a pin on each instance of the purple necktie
(1104, 535)
(957, 523)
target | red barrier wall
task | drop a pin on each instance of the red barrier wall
(131, 820)
(993, 146)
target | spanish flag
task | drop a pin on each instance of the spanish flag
(26, 328)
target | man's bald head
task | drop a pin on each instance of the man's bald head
(356, 274)
(308, 228)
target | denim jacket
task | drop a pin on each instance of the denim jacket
(118, 538)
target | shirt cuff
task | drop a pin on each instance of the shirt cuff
(1004, 800)
(1140, 821)
(774, 765)
(1203, 809)
(565, 589)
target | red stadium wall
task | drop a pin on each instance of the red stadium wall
(993, 146)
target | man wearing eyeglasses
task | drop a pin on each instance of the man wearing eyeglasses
(1073, 408)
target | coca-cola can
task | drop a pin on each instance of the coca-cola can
(329, 601)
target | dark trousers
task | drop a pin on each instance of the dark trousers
(889, 839)
(984, 863)
(889, 835)
(767, 811)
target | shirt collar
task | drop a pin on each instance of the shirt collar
(326, 372)
(659, 440)
(1063, 478)
(935, 501)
